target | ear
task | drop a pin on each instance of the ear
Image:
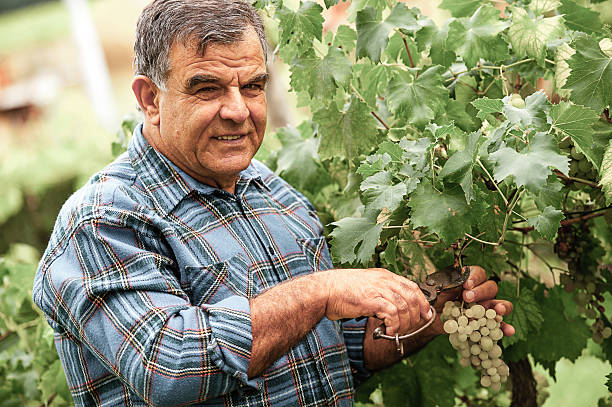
(147, 93)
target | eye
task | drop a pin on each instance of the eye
(207, 89)
(253, 86)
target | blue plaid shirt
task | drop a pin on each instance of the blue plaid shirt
(147, 278)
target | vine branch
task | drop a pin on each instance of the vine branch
(574, 179)
(564, 222)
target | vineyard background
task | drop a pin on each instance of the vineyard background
(50, 147)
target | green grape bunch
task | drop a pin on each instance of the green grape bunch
(474, 331)
(580, 166)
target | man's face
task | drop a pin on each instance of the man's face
(213, 113)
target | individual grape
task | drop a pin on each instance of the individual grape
(490, 313)
(496, 386)
(576, 155)
(455, 312)
(484, 331)
(495, 378)
(475, 349)
(475, 360)
(491, 324)
(485, 381)
(486, 343)
(486, 364)
(462, 320)
(517, 101)
(450, 326)
(491, 371)
(482, 321)
(478, 311)
(475, 336)
(496, 334)
(606, 332)
(496, 351)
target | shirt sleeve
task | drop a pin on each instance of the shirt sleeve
(354, 333)
(124, 303)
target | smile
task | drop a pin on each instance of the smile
(234, 137)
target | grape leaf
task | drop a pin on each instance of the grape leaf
(459, 166)
(319, 76)
(562, 69)
(550, 195)
(526, 316)
(487, 107)
(329, 3)
(460, 8)
(543, 6)
(478, 37)
(532, 115)
(530, 167)
(379, 192)
(297, 159)
(373, 164)
(580, 18)
(355, 238)
(347, 133)
(418, 98)
(591, 77)
(548, 222)
(346, 38)
(529, 36)
(558, 336)
(373, 34)
(446, 214)
(372, 80)
(442, 52)
(301, 26)
(606, 174)
(576, 122)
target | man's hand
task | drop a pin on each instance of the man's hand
(395, 300)
(477, 289)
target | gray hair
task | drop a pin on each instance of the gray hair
(163, 22)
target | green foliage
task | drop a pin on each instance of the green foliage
(449, 144)
(30, 370)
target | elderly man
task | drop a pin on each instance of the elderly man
(186, 272)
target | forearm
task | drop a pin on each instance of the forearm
(380, 353)
(283, 315)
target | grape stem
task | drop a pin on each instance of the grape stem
(407, 50)
(376, 116)
(492, 180)
(508, 213)
(574, 179)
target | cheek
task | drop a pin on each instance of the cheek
(259, 115)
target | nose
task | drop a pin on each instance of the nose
(233, 106)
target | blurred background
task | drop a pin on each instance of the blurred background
(65, 77)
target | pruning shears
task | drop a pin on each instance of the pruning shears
(442, 280)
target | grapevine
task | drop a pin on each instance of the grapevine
(484, 139)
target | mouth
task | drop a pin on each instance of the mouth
(229, 137)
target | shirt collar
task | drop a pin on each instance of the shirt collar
(167, 183)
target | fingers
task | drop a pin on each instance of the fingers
(481, 292)
(477, 276)
(507, 329)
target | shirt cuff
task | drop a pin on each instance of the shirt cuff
(231, 341)
(354, 333)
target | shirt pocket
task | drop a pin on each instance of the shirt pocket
(316, 252)
(215, 282)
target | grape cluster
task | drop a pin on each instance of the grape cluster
(580, 167)
(474, 332)
(542, 387)
(574, 244)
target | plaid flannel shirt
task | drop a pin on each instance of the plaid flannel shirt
(147, 278)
